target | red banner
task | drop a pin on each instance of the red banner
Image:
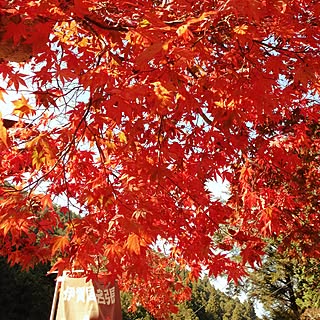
(88, 300)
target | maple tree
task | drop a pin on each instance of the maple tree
(133, 107)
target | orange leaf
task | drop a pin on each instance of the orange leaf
(60, 243)
(2, 92)
(241, 29)
(5, 226)
(133, 243)
(3, 131)
(22, 107)
(46, 201)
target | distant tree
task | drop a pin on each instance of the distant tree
(249, 311)
(214, 306)
(206, 303)
(29, 294)
(286, 287)
(202, 293)
(25, 295)
(139, 314)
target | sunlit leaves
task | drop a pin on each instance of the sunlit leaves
(133, 107)
(43, 151)
(2, 92)
(133, 243)
(242, 29)
(60, 244)
(22, 107)
(3, 131)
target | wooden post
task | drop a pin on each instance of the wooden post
(55, 298)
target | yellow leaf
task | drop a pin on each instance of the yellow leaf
(122, 137)
(3, 132)
(43, 153)
(180, 96)
(110, 146)
(22, 107)
(220, 103)
(72, 26)
(165, 46)
(162, 93)
(241, 29)
(182, 29)
(33, 143)
(144, 23)
(38, 159)
(83, 42)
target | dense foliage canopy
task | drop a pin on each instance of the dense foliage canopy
(128, 109)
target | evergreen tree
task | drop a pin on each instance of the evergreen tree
(30, 294)
(26, 295)
(213, 306)
(206, 303)
(287, 287)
